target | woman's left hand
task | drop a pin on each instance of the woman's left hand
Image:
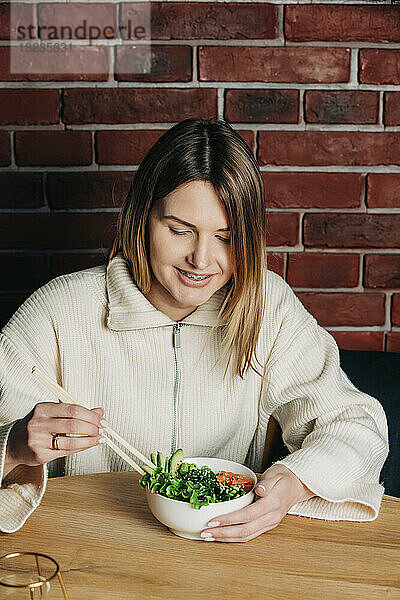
(282, 490)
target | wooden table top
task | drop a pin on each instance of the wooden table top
(109, 546)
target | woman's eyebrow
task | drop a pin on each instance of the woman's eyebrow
(188, 224)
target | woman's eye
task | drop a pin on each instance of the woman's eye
(177, 232)
(225, 240)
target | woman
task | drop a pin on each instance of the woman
(187, 340)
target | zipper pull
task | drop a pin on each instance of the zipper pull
(177, 336)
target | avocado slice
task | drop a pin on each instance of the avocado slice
(160, 460)
(153, 458)
(166, 465)
(175, 461)
(148, 470)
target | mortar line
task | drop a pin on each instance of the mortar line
(354, 67)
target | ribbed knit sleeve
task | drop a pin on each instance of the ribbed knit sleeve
(337, 435)
(21, 490)
(28, 339)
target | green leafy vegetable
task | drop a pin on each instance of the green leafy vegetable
(193, 484)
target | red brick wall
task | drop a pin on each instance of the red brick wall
(313, 89)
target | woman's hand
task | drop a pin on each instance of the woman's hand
(282, 490)
(30, 439)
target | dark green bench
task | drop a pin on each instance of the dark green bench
(377, 374)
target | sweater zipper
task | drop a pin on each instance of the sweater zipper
(176, 342)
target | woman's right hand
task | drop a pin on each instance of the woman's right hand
(30, 439)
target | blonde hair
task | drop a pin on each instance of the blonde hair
(206, 150)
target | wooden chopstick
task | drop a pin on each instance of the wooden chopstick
(63, 396)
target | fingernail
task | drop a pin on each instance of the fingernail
(206, 534)
(213, 524)
(261, 487)
(102, 440)
(209, 540)
(104, 423)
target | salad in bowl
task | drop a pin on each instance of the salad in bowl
(184, 494)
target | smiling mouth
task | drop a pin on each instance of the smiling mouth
(193, 277)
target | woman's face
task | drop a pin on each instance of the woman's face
(188, 235)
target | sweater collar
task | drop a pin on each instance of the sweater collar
(129, 309)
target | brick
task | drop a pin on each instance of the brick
(21, 190)
(29, 107)
(312, 190)
(87, 190)
(352, 230)
(342, 23)
(392, 108)
(342, 106)
(82, 63)
(396, 310)
(125, 147)
(21, 15)
(277, 65)
(9, 304)
(248, 137)
(135, 21)
(344, 309)
(44, 231)
(383, 190)
(60, 264)
(382, 271)
(282, 229)
(5, 24)
(322, 148)
(276, 262)
(77, 21)
(129, 147)
(359, 340)
(262, 106)
(393, 342)
(150, 105)
(206, 20)
(157, 63)
(379, 66)
(21, 272)
(323, 270)
(5, 149)
(53, 148)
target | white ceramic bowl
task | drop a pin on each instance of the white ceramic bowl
(184, 520)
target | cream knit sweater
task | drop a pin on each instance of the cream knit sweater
(97, 335)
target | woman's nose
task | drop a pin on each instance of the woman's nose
(200, 254)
